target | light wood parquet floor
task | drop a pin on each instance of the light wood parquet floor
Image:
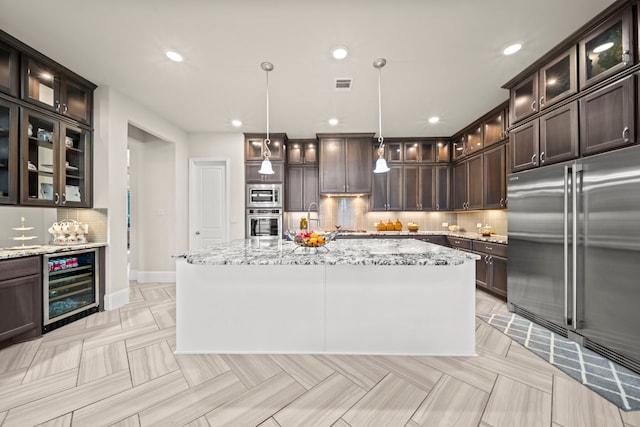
(117, 368)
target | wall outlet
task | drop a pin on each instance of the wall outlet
(479, 224)
(445, 224)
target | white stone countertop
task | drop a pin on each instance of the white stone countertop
(338, 252)
(494, 238)
(18, 252)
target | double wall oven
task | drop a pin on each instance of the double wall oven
(264, 211)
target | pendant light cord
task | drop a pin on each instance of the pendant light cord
(380, 137)
(267, 152)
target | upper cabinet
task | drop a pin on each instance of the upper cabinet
(55, 167)
(302, 152)
(555, 80)
(488, 130)
(345, 163)
(607, 49)
(254, 146)
(558, 79)
(8, 69)
(8, 152)
(48, 86)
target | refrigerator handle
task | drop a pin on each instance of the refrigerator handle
(567, 173)
(577, 169)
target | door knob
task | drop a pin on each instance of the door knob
(197, 233)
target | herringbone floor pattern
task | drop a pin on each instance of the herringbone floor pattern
(117, 368)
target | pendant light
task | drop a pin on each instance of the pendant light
(381, 163)
(266, 168)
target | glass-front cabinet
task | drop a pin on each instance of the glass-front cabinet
(558, 79)
(8, 69)
(8, 152)
(607, 49)
(46, 86)
(55, 169)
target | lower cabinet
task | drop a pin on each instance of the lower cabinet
(20, 300)
(491, 268)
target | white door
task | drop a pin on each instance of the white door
(208, 202)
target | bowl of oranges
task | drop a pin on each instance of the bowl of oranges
(311, 239)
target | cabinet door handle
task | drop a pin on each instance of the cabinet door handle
(64, 109)
(64, 198)
(490, 260)
(437, 206)
(542, 157)
(57, 200)
(625, 134)
(541, 102)
(533, 106)
(533, 160)
(626, 57)
(58, 106)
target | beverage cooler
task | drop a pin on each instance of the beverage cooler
(70, 287)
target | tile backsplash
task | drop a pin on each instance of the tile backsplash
(352, 213)
(96, 218)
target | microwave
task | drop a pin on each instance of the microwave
(264, 195)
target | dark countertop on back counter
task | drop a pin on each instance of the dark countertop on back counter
(19, 252)
(495, 238)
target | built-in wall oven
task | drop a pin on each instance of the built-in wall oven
(265, 223)
(264, 196)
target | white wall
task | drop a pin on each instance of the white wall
(225, 147)
(113, 112)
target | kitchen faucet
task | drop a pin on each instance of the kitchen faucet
(316, 219)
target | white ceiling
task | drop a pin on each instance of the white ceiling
(443, 56)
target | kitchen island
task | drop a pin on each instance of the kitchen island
(357, 296)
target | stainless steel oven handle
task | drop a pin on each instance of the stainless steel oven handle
(565, 249)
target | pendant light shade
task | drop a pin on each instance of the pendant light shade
(381, 163)
(266, 168)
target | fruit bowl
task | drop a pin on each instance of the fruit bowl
(311, 239)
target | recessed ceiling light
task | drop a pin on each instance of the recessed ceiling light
(333, 121)
(510, 50)
(339, 52)
(434, 119)
(236, 123)
(174, 56)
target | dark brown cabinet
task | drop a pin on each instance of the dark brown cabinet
(345, 163)
(524, 98)
(468, 184)
(435, 239)
(302, 152)
(442, 188)
(48, 86)
(8, 152)
(301, 188)
(558, 79)
(550, 139)
(254, 146)
(494, 128)
(607, 49)
(458, 147)
(8, 70)
(419, 151)
(387, 190)
(20, 300)
(55, 168)
(253, 176)
(419, 186)
(494, 178)
(608, 117)
(491, 268)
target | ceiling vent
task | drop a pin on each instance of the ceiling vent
(343, 83)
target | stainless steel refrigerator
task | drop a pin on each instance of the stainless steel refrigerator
(574, 250)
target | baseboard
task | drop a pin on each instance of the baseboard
(155, 276)
(116, 299)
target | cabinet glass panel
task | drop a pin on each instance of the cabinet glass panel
(427, 152)
(394, 152)
(41, 159)
(524, 99)
(8, 68)
(70, 284)
(604, 51)
(76, 101)
(311, 152)
(254, 148)
(458, 148)
(5, 123)
(411, 152)
(41, 82)
(75, 150)
(494, 129)
(474, 140)
(558, 79)
(442, 152)
(294, 153)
